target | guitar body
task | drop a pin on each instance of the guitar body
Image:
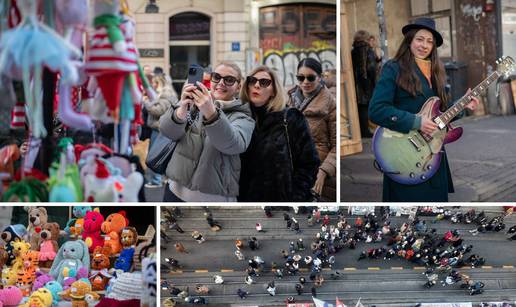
(413, 158)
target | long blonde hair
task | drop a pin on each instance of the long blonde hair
(277, 102)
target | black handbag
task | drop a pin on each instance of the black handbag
(160, 153)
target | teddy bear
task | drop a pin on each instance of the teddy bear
(54, 287)
(75, 225)
(100, 263)
(72, 256)
(77, 293)
(12, 233)
(48, 243)
(91, 234)
(10, 296)
(37, 217)
(112, 227)
(39, 298)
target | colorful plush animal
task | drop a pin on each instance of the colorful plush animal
(19, 249)
(54, 287)
(48, 243)
(100, 186)
(26, 276)
(39, 298)
(8, 276)
(77, 293)
(112, 227)
(41, 280)
(124, 262)
(37, 217)
(75, 225)
(10, 296)
(82, 274)
(100, 263)
(92, 225)
(128, 237)
(10, 234)
(72, 256)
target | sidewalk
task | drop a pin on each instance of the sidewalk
(483, 164)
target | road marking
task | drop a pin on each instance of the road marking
(303, 270)
(226, 270)
(374, 268)
(201, 271)
(487, 267)
(508, 266)
(350, 269)
(176, 272)
(397, 268)
(326, 269)
(419, 268)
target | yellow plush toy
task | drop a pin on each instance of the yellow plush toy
(39, 298)
(19, 249)
(78, 292)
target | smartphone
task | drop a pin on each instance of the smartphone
(195, 73)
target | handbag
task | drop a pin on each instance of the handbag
(314, 196)
(160, 153)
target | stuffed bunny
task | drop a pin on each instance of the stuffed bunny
(72, 256)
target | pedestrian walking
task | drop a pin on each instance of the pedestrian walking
(300, 245)
(214, 225)
(317, 215)
(279, 273)
(253, 243)
(271, 288)
(326, 220)
(180, 248)
(239, 244)
(239, 255)
(310, 220)
(299, 289)
(259, 227)
(314, 292)
(249, 280)
(175, 225)
(302, 280)
(198, 236)
(295, 226)
(268, 211)
(242, 294)
(291, 247)
(218, 279)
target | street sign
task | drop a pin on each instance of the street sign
(235, 46)
(151, 53)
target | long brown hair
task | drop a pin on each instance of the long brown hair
(408, 79)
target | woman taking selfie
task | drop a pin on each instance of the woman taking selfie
(314, 99)
(415, 74)
(211, 130)
(281, 162)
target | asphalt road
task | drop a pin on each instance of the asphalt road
(375, 281)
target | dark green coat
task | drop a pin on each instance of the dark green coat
(395, 109)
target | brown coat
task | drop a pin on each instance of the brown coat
(321, 116)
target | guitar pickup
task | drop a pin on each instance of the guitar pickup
(439, 123)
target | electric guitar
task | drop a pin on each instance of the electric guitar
(414, 157)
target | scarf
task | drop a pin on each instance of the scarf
(426, 68)
(300, 101)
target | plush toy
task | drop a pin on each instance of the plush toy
(124, 262)
(64, 182)
(4, 256)
(37, 217)
(95, 150)
(128, 189)
(100, 187)
(77, 293)
(39, 298)
(19, 249)
(10, 234)
(82, 274)
(100, 263)
(72, 256)
(150, 276)
(26, 276)
(29, 189)
(91, 234)
(128, 237)
(18, 60)
(8, 276)
(48, 244)
(54, 287)
(75, 225)
(112, 227)
(10, 296)
(41, 280)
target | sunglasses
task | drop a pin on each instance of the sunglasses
(228, 80)
(263, 82)
(310, 78)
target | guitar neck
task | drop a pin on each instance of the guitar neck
(454, 110)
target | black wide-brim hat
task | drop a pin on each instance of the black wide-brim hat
(427, 24)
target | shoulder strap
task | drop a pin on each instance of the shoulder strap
(285, 125)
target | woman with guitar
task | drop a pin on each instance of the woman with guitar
(414, 75)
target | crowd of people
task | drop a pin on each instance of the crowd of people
(416, 241)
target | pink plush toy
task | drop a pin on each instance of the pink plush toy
(91, 234)
(10, 296)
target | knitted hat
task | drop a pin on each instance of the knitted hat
(19, 230)
(80, 148)
(127, 286)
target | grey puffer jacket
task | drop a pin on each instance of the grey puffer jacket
(166, 98)
(207, 156)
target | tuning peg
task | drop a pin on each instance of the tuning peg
(497, 62)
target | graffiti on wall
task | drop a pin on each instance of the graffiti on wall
(469, 10)
(284, 62)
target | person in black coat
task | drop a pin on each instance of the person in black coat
(281, 163)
